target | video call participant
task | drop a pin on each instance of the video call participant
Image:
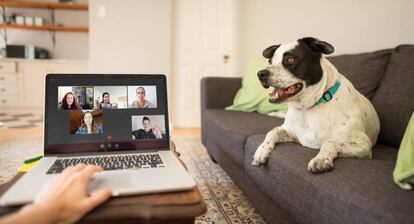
(68, 102)
(147, 132)
(88, 125)
(105, 103)
(141, 102)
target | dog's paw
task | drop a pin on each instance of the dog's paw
(256, 162)
(262, 154)
(320, 164)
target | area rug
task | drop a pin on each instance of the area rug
(20, 120)
(225, 202)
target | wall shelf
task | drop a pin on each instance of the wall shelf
(41, 5)
(45, 28)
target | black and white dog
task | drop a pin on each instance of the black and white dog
(325, 111)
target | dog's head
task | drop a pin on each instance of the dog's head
(293, 67)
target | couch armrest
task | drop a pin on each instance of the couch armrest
(218, 92)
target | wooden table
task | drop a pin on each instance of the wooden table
(174, 207)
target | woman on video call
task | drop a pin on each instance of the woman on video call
(147, 132)
(105, 103)
(141, 102)
(88, 125)
(68, 102)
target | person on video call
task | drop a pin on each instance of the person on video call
(141, 102)
(105, 103)
(68, 102)
(147, 132)
(64, 199)
(89, 126)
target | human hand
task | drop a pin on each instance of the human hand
(156, 131)
(65, 196)
(97, 103)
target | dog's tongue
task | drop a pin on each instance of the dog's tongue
(280, 92)
(291, 89)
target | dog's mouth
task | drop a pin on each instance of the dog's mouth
(280, 94)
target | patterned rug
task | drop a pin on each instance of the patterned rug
(225, 202)
(20, 120)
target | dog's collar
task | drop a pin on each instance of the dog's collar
(328, 95)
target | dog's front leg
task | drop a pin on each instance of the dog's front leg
(324, 160)
(357, 145)
(274, 136)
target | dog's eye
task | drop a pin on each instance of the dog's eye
(290, 60)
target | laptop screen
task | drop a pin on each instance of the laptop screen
(98, 113)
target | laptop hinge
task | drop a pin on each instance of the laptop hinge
(78, 154)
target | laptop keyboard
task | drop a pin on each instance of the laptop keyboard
(113, 162)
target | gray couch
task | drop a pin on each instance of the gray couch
(283, 191)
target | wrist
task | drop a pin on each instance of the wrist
(45, 213)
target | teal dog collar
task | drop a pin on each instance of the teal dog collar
(328, 95)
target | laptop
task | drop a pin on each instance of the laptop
(119, 122)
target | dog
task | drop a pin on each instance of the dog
(325, 111)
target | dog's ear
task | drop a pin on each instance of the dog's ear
(270, 51)
(318, 46)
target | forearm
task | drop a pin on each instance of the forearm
(31, 214)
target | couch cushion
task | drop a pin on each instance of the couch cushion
(230, 129)
(365, 71)
(394, 100)
(356, 191)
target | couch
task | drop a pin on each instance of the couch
(283, 191)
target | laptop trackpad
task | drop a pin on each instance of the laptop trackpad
(109, 180)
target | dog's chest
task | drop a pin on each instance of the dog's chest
(311, 128)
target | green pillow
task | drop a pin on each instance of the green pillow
(404, 169)
(252, 96)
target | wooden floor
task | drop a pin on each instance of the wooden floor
(186, 132)
(38, 132)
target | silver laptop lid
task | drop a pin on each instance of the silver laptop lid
(105, 112)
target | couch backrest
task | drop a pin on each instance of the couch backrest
(365, 71)
(394, 99)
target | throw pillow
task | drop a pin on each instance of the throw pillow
(404, 168)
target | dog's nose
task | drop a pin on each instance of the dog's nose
(263, 74)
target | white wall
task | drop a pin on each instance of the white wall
(130, 36)
(69, 45)
(350, 26)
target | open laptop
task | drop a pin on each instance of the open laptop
(119, 122)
